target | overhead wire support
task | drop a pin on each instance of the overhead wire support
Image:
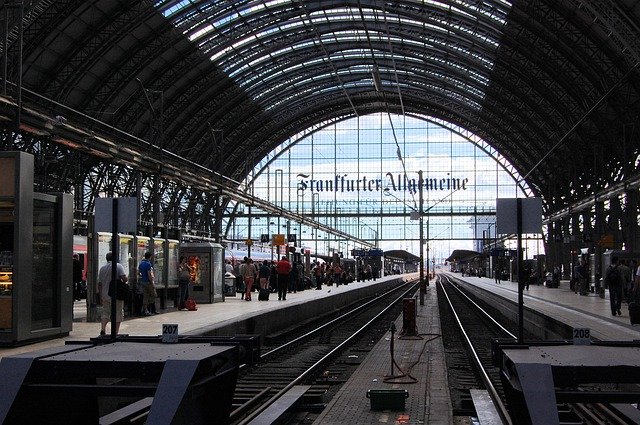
(393, 59)
(580, 121)
(326, 55)
(377, 82)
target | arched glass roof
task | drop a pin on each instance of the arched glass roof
(285, 28)
(552, 87)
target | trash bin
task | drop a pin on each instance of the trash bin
(229, 285)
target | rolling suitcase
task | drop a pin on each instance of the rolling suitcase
(263, 295)
(634, 313)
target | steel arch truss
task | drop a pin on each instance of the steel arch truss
(552, 87)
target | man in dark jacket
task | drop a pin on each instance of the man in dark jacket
(614, 281)
(283, 268)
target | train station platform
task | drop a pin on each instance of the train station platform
(233, 316)
(421, 358)
(428, 398)
(564, 305)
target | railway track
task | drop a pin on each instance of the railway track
(305, 356)
(468, 347)
(469, 358)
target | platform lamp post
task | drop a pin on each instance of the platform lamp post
(279, 171)
(423, 284)
(315, 198)
(417, 214)
(316, 236)
(300, 209)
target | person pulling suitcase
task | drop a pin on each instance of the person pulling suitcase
(264, 273)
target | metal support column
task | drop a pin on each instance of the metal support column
(423, 285)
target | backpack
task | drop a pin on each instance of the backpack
(612, 277)
(190, 304)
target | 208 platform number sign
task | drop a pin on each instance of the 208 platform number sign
(581, 336)
(170, 333)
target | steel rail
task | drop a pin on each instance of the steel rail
(334, 321)
(482, 311)
(321, 361)
(493, 393)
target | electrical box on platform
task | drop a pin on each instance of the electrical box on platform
(387, 399)
(409, 326)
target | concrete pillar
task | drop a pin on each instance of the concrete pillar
(630, 228)
(614, 222)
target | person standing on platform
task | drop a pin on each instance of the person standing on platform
(184, 277)
(264, 273)
(138, 298)
(248, 271)
(77, 277)
(104, 281)
(580, 274)
(228, 267)
(613, 280)
(273, 277)
(293, 279)
(625, 275)
(367, 272)
(301, 284)
(526, 276)
(317, 272)
(146, 277)
(283, 268)
(337, 274)
(497, 275)
(240, 277)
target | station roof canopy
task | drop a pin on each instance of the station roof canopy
(463, 255)
(551, 86)
(400, 254)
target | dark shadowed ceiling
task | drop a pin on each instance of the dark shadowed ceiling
(552, 85)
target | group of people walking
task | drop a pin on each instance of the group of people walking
(622, 278)
(284, 276)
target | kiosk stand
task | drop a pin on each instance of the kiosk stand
(36, 248)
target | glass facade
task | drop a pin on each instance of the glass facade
(6, 264)
(44, 294)
(361, 176)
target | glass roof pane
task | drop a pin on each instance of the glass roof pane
(457, 36)
(173, 9)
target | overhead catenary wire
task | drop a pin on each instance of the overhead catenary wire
(580, 121)
(326, 55)
(377, 81)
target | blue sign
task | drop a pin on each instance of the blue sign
(367, 252)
